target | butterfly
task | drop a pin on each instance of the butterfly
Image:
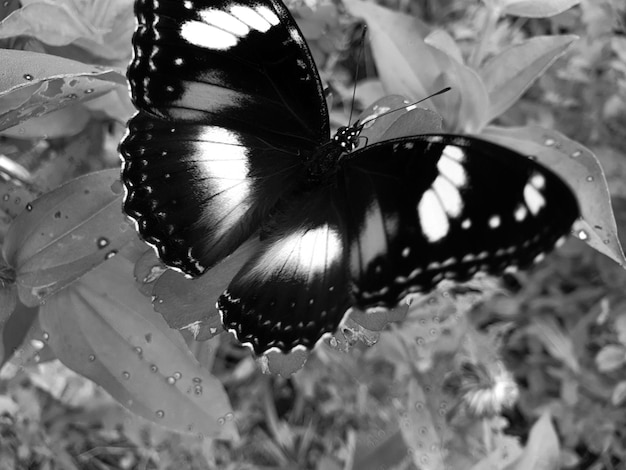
(231, 141)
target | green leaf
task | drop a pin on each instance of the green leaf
(106, 330)
(8, 301)
(33, 84)
(542, 449)
(558, 344)
(189, 304)
(611, 357)
(410, 67)
(66, 233)
(510, 73)
(579, 167)
(618, 396)
(536, 8)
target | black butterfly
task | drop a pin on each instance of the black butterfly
(232, 140)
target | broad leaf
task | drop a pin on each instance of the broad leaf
(542, 449)
(66, 233)
(536, 8)
(106, 330)
(33, 84)
(512, 71)
(580, 169)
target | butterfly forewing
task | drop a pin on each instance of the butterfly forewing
(296, 288)
(234, 63)
(426, 208)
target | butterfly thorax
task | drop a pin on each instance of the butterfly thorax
(324, 162)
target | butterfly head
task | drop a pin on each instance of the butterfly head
(348, 137)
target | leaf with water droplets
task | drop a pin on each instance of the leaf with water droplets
(189, 304)
(579, 167)
(33, 84)
(68, 232)
(96, 327)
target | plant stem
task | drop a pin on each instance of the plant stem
(487, 30)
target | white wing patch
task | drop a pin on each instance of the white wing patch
(533, 198)
(371, 239)
(300, 255)
(449, 196)
(221, 30)
(432, 217)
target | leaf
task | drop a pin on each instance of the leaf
(8, 301)
(33, 84)
(104, 329)
(190, 303)
(65, 122)
(579, 167)
(537, 8)
(410, 67)
(66, 233)
(542, 449)
(611, 357)
(619, 394)
(399, 123)
(558, 344)
(512, 71)
(103, 28)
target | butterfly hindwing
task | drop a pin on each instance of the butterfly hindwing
(425, 208)
(296, 288)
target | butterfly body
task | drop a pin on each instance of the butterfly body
(232, 139)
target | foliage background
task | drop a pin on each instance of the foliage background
(560, 329)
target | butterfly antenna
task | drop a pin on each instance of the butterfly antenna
(356, 73)
(411, 106)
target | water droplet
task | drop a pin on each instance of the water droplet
(550, 142)
(197, 380)
(212, 330)
(154, 368)
(423, 430)
(606, 242)
(91, 358)
(420, 341)
(110, 254)
(139, 351)
(160, 413)
(589, 179)
(221, 421)
(178, 375)
(441, 412)
(582, 235)
(102, 242)
(89, 91)
(28, 76)
(35, 343)
(46, 336)
(126, 375)
(419, 406)
(29, 207)
(432, 332)
(576, 154)
(72, 96)
(229, 416)
(171, 380)
(197, 390)
(333, 342)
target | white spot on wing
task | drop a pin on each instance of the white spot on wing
(371, 240)
(301, 254)
(225, 21)
(520, 213)
(454, 152)
(251, 17)
(452, 170)
(207, 36)
(538, 181)
(494, 221)
(433, 218)
(533, 198)
(449, 196)
(268, 15)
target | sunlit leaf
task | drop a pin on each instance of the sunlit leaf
(536, 8)
(611, 357)
(66, 233)
(619, 394)
(542, 449)
(106, 330)
(33, 84)
(578, 166)
(513, 70)
(555, 341)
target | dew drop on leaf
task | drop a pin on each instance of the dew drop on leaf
(197, 380)
(420, 341)
(589, 179)
(197, 390)
(582, 235)
(177, 375)
(29, 207)
(171, 380)
(27, 76)
(72, 96)
(46, 336)
(110, 254)
(423, 431)
(139, 351)
(229, 416)
(126, 375)
(160, 413)
(117, 187)
(89, 91)
(102, 242)
(154, 368)
(91, 358)
(221, 421)
(550, 142)
(419, 406)
(576, 154)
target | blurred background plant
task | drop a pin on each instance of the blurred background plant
(525, 373)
